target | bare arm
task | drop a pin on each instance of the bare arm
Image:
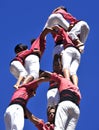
(43, 79)
(45, 32)
(37, 81)
(31, 117)
(46, 74)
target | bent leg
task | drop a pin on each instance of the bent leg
(57, 19)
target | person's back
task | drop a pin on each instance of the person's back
(68, 110)
(67, 16)
(26, 64)
(32, 62)
(17, 68)
(78, 30)
(69, 52)
(56, 18)
(28, 61)
(14, 114)
(65, 84)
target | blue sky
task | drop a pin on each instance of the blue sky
(22, 20)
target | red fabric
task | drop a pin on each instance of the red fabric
(43, 126)
(53, 84)
(39, 44)
(65, 84)
(18, 59)
(25, 91)
(61, 35)
(22, 55)
(67, 16)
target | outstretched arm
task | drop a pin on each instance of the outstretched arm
(46, 74)
(31, 117)
(36, 82)
(42, 79)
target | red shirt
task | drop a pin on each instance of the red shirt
(43, 126)
(65, 84)
(67, 16)
(53, 84)
(25, 92)
(61, 35)
(39, 44)
(22, 55)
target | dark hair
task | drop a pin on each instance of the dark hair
(20, 47)
(60, 7)
(50, 108)
(48, 113)
(57, 58)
